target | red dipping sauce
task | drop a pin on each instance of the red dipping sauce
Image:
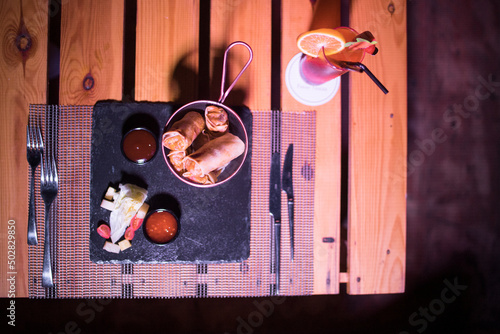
(161, 226)
(139, 145)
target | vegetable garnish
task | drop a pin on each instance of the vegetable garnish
(127, 202)
(104, 231)
(365, 41)
(127, 214)
(136, 223)
(129, 233)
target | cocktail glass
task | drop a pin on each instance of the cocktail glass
(318, 70)
(321, 69)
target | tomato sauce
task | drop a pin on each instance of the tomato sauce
(161, 226)
(139, 145)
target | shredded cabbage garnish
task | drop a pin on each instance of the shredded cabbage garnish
(127, 202)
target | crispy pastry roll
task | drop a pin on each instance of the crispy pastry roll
(176, 159)
(203, 138)
(210, 178)
(183, 132)
(216, 119)
(213, 155)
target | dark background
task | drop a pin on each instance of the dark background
(453, 212)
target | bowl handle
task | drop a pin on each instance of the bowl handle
(223, 94)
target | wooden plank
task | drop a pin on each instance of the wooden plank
(166, 66)
(167, 51)
(23, 80)
(377, 177)
(297, 17)
(250, 22)
(91, 51)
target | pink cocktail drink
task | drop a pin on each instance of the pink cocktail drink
(319, 70)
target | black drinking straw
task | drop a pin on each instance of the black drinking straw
(359, 67)
(370, 74)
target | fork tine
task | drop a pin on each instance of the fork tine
(50, 172)
(34, 139)
(45, 170)
(32, 123)
(34, 134)
(29, 132)
(42, 170)
(39, 138)
(54, 171)
(28, 141)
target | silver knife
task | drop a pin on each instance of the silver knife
(287, 185)
(275, 211)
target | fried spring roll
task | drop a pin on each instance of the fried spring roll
(176, 159)
(217, 119)
(183, 132)
(203, 138)
(210, 178)
(214, 155)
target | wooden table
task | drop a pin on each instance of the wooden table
(178, 45)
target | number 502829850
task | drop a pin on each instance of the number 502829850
(11, 244)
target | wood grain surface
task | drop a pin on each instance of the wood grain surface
(230, 21)
(23, 73)
(377, 150)
(298, 17)
(91, 51)
(167, 51)
(166, 66)
(452, 208)
(178, 57)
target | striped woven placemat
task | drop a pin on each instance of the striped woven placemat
(75, 276)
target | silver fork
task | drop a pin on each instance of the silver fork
(34, 151)
(49, 183)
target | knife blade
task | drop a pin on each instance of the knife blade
(287, 186)
(275, 211)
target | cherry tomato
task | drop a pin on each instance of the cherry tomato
(104, 231)
(129, 233)
(136, 223)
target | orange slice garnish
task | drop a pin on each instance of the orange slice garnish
(311, 42)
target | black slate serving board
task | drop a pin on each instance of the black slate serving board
(214, 222)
